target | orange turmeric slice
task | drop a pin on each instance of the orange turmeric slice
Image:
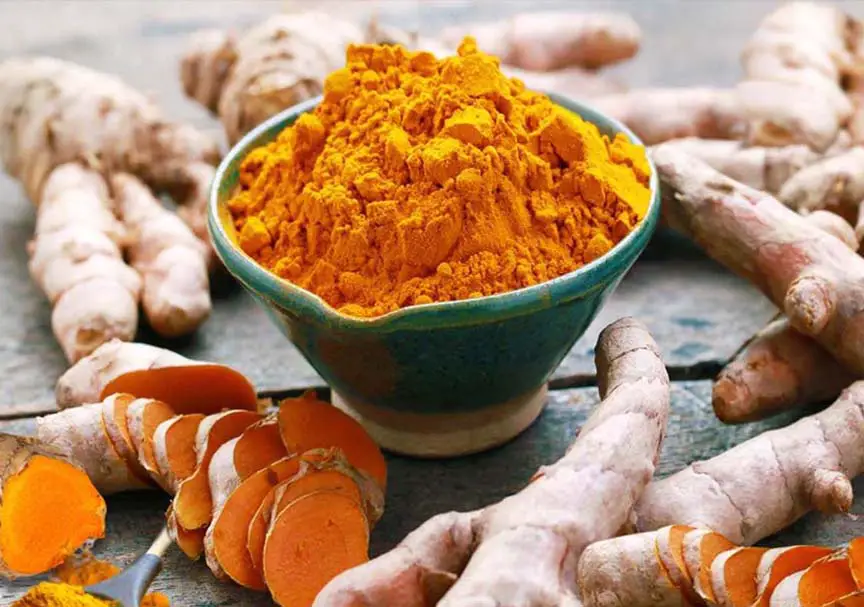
(259, 446)
(733, 575)
(192, 388)
(174, 448)
(780, 563)
(142, 418)
(114, 410)
(313, 539)
(193, 504)
(307, 423)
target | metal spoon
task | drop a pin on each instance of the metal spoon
(130, 585)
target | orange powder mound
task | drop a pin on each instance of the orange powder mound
(419, 180)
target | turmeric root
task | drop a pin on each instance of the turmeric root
(143, 416)
(701, 567)
(658, 115)
(80, 435)
(793, 66)
(546, 41)
(268, 68)
(779, 368)
(115, 424)
(307, 423)
(172, 261)
(76, 260)
(322, 518)
(761, 168)
(575, 83)
(150, 372)
(48, 507)
(533, 540)
(813, 276)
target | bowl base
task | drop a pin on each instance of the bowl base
(446, 434)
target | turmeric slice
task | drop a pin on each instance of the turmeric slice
(48, 507)
(779, 563)
(313, 539)
(190, 541)
(192, 502)
(150, 372)
(174, 448)
(143, 417)
(307, 423)
(225, 542)
(116, 427)
(824, 582)
(701, 547)
(856, 599)
(733, 576)
(310, 479)
(259, 446)
(855, 554)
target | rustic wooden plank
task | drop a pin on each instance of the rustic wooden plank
(419, 489)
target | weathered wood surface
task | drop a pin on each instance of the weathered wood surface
(420, 489)
(699, 313)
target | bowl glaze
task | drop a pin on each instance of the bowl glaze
(444, 378)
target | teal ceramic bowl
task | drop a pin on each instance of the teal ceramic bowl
(443, 378)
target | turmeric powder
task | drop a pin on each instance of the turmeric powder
(58, 594)
(419, 180)
(81, 571)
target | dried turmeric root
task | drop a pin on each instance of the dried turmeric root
(533, 539)
(76, 259)
(811, 275)
(37, 485)
(146, 371)
(546, 41)
(680, 565)
(658, 115)
(794, 64)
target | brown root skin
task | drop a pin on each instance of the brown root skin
(151, 372)
(172, 261)
(813, 276)
(206, 65)
(546, 41)
(791, 92)
(662, 114)
(761, 168)
(36, 482)
(76, 259)
(534, 539)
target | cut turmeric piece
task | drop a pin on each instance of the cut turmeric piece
(308, 480)
(824, 582)
(142, 418)
(192, 388)
(701, 547)
(307, 423)
(174, 448)
(259, 446)
(856, 599)
(114, 409)
(48, 507)
(192, 503)
(191, 542)
(779, 563)
(225, 542)
(313, 539)
(733, 576)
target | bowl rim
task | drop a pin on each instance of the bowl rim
(488, 308)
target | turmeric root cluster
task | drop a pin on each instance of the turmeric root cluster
(255, 494)
(84, 144)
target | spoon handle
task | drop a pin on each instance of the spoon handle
(160, 544)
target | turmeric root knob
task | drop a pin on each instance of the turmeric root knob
(48, 507)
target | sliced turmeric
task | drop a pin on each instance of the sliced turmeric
(174, 448)
(114, 410)
(48, 507)
(142, 418)
(307, 423)
(313, 539)
(733, 576)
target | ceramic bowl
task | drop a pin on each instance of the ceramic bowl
(444, 378)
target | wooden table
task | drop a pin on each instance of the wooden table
(699, 313)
